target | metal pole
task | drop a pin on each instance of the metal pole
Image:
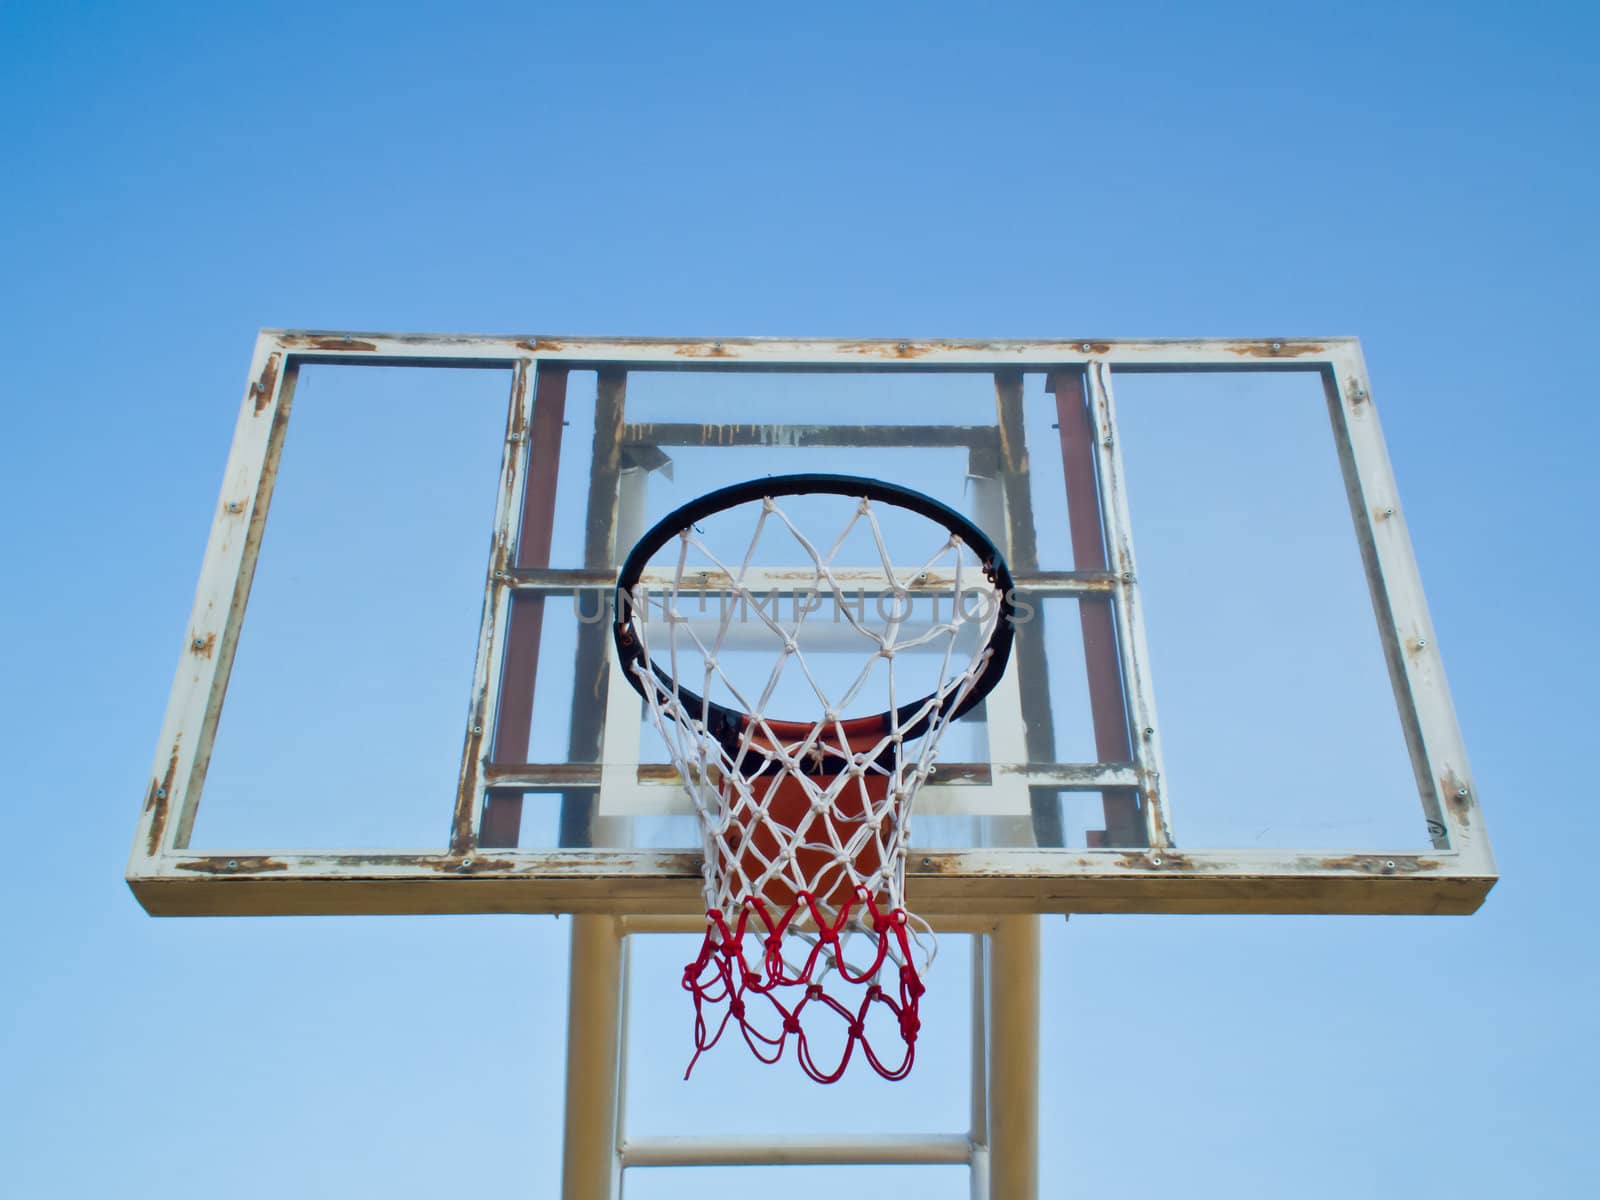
(619, 1130)
(1014, 1059)
(594, 1009)
(979, 1132)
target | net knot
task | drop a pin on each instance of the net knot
(814, 991)
(736, 1007)
(791, 1023)
(909, 981)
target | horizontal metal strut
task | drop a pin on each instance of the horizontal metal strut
(943, 1149)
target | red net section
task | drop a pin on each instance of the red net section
(742, 978)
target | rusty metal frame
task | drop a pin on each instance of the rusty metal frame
(1452, 877)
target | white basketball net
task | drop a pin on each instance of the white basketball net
(805, 825)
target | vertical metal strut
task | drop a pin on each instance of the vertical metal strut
(594, 1040)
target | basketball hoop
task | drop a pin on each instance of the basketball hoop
(805, 822)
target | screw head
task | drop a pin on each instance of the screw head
(199, 643)
(927, 862)
(1388, 512)
(1421, 642)
(1389, 865)
(1462, 792)
(1156, 861)
(1085, 347)
(233, 864)
(1149, 731)
(1277, 345)
(1107, 442)
(477, 729)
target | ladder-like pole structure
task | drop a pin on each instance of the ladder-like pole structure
(1000, 1147)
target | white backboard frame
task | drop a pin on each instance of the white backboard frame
(1452, 877)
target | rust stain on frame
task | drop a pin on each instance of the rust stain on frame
(1379, 864)
(905, 349)
(467, 865)
(303, 342)
(159, 801)
(910, 348)
(1279, 348)
(516, 433)
(240, 864)
(1160, 859)
(1458, 796)
(541, 345)
(261, 390)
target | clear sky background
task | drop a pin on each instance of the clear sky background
(175, 177)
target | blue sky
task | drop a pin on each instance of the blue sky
(176, 178)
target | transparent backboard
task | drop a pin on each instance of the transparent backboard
(1224, 694)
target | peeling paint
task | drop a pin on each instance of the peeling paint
(700, 350)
